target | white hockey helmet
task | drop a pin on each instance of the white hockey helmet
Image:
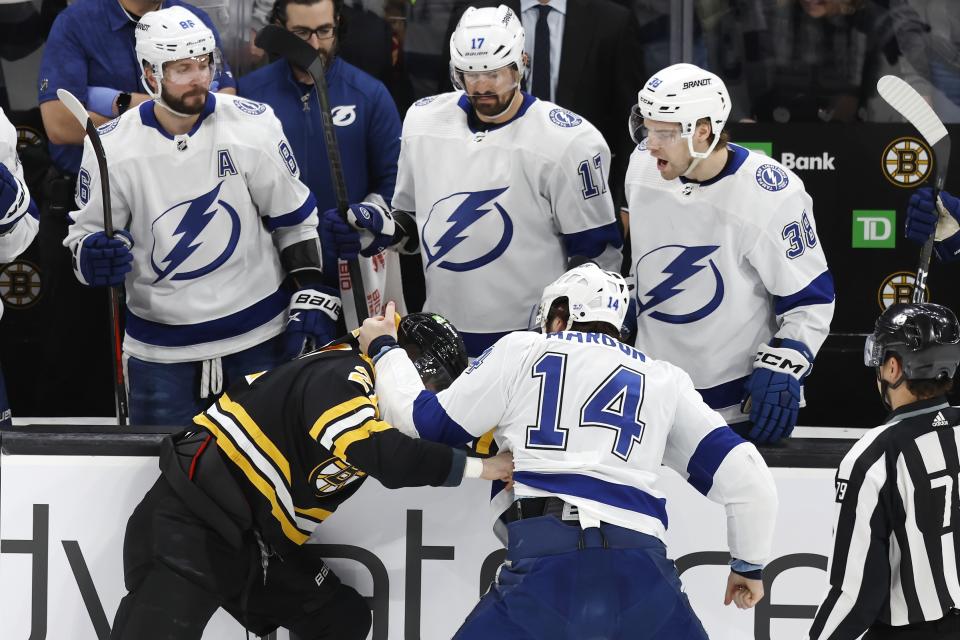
(485, 40)
(683, 93)
(593, 295)
(172, 34)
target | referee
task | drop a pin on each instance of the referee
(895, 560)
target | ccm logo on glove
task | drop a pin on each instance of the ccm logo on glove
(771, 360)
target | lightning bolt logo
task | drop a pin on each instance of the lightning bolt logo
(463, 217)
(200, 211)
(679, 270)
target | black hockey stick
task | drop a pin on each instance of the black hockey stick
(911, 105)
(281, 42)
(79, 112)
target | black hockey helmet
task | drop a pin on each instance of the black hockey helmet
(435, 347)
(925, 336)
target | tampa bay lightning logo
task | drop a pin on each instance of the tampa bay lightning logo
(344, 115)
(688, 285)
(772, 178)
(466, 230)
(194, 237)
(249, 106)
(422, 102)
(564, 118)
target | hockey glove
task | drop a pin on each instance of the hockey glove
(922, 215)
(313, 319)
(12, 194)
(375, 224)
(773, 392)
(337, 238)
(101, 261)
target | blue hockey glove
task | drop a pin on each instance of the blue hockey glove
(337, 238)
(100, 261)
(773, 392)
(313, 319)
(375, 224)
(922, 215)
(11, 198)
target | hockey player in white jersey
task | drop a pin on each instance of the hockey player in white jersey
(497, 190)
(215, 231)
(590, 420)
(19, 220)
(731, 281)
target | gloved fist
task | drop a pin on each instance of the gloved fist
(11, 194)
(922, 216)
(102, 261)
(773, 392)
(312, 320)
(337, 238)
(375, 224)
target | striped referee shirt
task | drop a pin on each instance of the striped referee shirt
(897, 536)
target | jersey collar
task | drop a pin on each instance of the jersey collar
(736, 156)
(476, 125)
(919, 407)
(149, 118)
(117, 16)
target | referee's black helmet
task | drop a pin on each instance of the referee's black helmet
(435, 347)
(925, 336)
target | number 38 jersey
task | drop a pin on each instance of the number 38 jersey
(591, 420)
(499, 210)
(723, 266)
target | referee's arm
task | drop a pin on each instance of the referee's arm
(859, 566)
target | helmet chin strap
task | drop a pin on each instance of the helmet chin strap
(158, 95)
(516, 94)
(886, 386)
(696, 156)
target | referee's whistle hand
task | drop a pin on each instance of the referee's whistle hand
(742, 591)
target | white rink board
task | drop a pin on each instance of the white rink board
(88, 499)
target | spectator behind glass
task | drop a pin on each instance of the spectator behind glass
(90, 52)
(935, 45)
(22, 30)
(368, 136)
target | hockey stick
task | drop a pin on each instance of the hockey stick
(281, 42)
(911, 105)
(79, 112)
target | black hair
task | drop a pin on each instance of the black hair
(560, 308)
(278, 14)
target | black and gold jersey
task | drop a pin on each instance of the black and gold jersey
(303, 437)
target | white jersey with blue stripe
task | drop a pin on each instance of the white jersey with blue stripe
(20, 223)
(591, 420)
(723, 266)
(499, 210)
(209, 212)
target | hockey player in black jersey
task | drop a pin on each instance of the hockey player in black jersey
(225, 524)
(893, 572)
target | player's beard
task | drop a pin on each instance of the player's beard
(189, 103)
(491, 108)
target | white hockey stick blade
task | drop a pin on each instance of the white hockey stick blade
(76, 107)
(911, 105)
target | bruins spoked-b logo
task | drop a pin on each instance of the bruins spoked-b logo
(333, 475)
(898, 287)
(20, 284)
(907, 161)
